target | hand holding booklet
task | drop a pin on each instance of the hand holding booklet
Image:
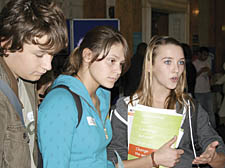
(150, 128)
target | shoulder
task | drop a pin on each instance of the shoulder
(125, 101)
(121, 107)
(58, 99)
(58, 95)
(121, 104)
(58, 107)
(119, 110)
(3, 74)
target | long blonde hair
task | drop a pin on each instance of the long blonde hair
(144, 90)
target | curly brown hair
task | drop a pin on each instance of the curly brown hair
(21, 21)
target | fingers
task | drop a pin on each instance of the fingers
(210, 150)
(176, 158)
(167, 156)
(214, 144)
(180, 151)
(208, 155)
(171, 141)
(202, 159)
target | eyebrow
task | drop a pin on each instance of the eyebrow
(166, 58)
(171, 58)
(45, 51)
(117, 57)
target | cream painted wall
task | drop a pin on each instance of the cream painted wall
(178, 11)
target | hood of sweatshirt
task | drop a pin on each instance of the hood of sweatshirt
(79, 88)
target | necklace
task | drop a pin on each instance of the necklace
(97, 106)
(106, 135)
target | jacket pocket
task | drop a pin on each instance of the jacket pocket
(16, 148)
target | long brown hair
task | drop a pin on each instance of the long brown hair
(98, 40)
(144, 90)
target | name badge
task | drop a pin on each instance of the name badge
(91, 121)
(30, 116)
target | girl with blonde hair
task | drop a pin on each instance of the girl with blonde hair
(162, 86)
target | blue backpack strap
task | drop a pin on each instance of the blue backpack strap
(4, 87)
(77, 101)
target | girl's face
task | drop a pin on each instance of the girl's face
(168, 67)
(107, 71)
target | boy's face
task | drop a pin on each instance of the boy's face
(30, 63)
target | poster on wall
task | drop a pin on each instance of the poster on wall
(82, 26)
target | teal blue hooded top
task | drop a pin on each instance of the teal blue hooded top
(62, 144)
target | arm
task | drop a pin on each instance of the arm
(119, 129)
(164, 156)
(57, 119)
(218, 160)
(210, 141)
(210, 156)
(3, 125)
(204, 69)
(119, 143)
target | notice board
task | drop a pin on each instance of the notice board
(81, 26)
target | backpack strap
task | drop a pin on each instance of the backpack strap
(76, 99)
(13, 99)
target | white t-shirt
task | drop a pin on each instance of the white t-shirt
(28, 116)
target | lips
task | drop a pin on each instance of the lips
(40, 73)
(174, 79)
(113, 79)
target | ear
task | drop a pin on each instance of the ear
(87, 55)
(2, 43)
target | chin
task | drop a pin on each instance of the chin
(32, 78)
(109, 86)
(172, 88)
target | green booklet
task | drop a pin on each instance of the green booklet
(150, 128)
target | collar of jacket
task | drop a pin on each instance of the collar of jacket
(13, 81)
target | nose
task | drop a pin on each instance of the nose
(47, 62)
(118, 69)
(176, 68)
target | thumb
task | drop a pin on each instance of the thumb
(214, 144)
(171, 141)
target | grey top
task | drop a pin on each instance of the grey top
(206, 135)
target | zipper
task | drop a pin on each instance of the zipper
(103, 123)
